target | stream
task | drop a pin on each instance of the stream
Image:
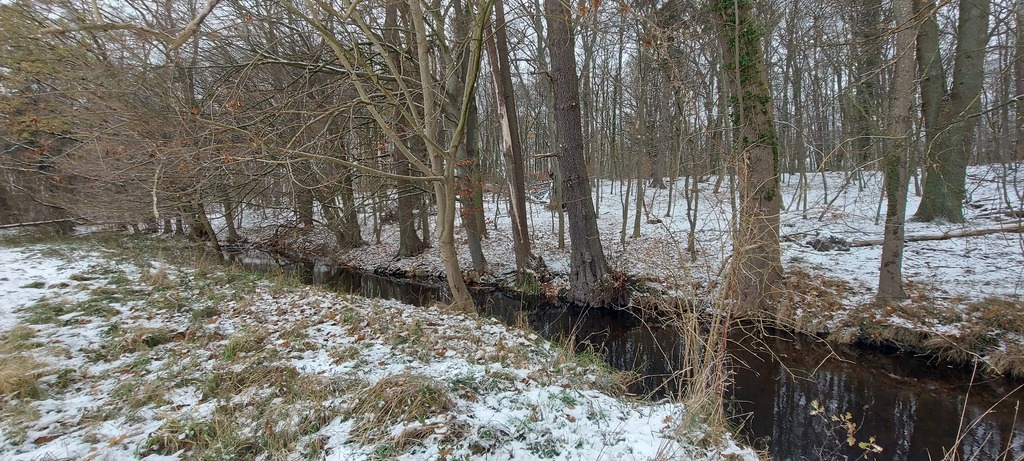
(914, 409)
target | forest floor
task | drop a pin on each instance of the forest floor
(965, 292)
(137, 347)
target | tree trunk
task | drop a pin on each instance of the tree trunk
(442, 163)
(349, 224)
(303, 204)
(469, 182)
(951, 136)
(409, 243)
(890, 277)
(867, 67)
(512, 149)
(755, 275)
(588, 281)
(229, 221)
(1018, 81)
(6, 211)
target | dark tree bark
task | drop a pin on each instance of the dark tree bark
(952, 113)
(512, 146)
(867, 39)
(470, 193)
(6, 211)
(588, 275)
(229, 221)
(303, 204)
(897, 157)
(469, 187)
(755, 275)
(1018, 82)
(409, 242)
(340, 211)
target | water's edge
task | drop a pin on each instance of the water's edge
(915, 408)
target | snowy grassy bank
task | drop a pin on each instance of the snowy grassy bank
(137, 348)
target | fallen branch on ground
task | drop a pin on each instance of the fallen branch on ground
(35, 223)
(946, 235)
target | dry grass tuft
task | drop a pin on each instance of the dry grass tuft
(243, 342)
(19, 376)
(17, 339)
(157, 278)
(998, 314)
(1008, 360)
(396, 399)
(815, 297)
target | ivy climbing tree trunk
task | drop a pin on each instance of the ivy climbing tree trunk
(588, 272)
(755, 274)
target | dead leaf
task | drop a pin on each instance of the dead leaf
(44, 439)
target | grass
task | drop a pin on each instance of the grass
(19, 338)
(282, 414)
(397, 399)
(243, 342)
(19, 377)
(255, 403)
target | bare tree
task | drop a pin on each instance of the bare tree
(511, 143)
(588, 276)
(897, 155)
(950, 114)
(755, 275)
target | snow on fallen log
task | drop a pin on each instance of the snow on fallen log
(35, 223)
(946, 235)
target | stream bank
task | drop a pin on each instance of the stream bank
(787, 388)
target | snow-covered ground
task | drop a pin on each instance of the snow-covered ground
(950, 281)
(969, 267)
(111, 351)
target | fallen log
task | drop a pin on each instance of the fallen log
(946, 235)
(35, 223)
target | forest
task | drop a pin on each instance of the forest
(851, 170)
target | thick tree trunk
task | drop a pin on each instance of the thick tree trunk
(6, 211)
(755, 275)
(890, 276)
(951, 137)
(229, 221)
(867, 38)
(409, 243)
(512, 148)
(341, 217)
(303, 205)
(349, 225)
(588, 274)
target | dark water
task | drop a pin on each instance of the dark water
(915, 410)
